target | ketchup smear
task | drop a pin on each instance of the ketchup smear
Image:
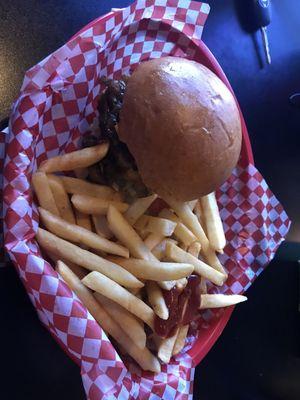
(183, 307)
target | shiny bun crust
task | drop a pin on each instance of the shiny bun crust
(182, 126)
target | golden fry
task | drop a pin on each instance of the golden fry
(180, 340)
(83, 220)
(159, 250)
(79, 186)
(192, 204)
(183, 246)
(220, 300)
(138, 208)
(165, 348)
(129, 323)
(167, 285)
(125, 233)
(143, 357)
(101, 226)
(198, 212)
(61, 199)
(194, 249)
(156, 300)
(213, 223)
(77, 234)
(160, 226)
(77, 159)
(152, 240)
(95, 205)
(111, 289)
(86, 259)
(154, 270)
(191, 221)
(181, 283)
(78, 271)
(168, 214)
(175, 253)
(43, 192)
(184, 234)
(212, 259)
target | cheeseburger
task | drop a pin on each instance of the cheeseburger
(174, 129)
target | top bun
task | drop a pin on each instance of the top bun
(182, 126)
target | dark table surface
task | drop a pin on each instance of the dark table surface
(257, 357)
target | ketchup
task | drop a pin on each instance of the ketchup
(182, 305)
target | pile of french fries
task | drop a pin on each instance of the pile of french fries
(118, 258)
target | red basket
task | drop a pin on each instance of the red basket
(206, 338)
(55, 107)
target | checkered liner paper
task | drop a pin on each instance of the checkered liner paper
(56, 106)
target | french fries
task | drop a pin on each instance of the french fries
(101, 226)
(192, 204)
(180, 339)
(175, 253)
(126, 256)
(208, 252)
(168, 214)
(152, 240)
(160, 226)
(213, 223)
(86, 259)
(154, 270)
(220, 300)
(183, 246)
(142, 234)
(212, 259)
(77, 159)
(194, 249)
(125, 233)
(43, 192)
(189, 218)
(159, 253)
(156, 300)
(198, 212)
(184, 234)
(138, 208)
(129, 323)
(159, 250)
(83, 220)
(165, 348)
(143, 357)
(167, 285)
(79, 186)
(95, 205)
(136, 292)
(80, 235)
(78, 271)
(112, 290)
(61, 199)
(181, 283)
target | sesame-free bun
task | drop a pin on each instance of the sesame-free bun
(182, 126)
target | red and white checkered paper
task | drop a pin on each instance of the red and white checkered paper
(56, 106)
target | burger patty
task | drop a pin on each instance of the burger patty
(118, 168)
